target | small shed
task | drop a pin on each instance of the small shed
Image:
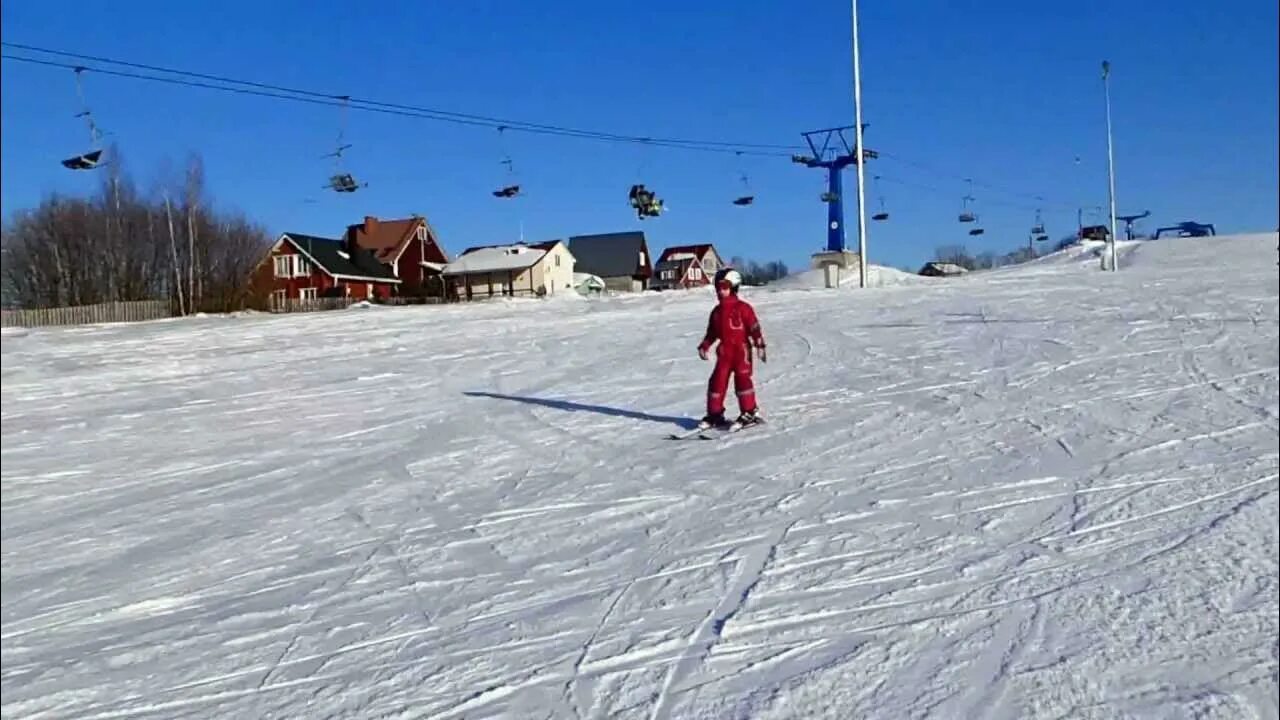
(942, 269)
(588, 284)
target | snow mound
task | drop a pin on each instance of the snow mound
(1215, 249)
(877, 276)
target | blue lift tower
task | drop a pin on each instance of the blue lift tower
(833, 151)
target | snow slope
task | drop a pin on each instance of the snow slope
(877, 276)
(1039, 492)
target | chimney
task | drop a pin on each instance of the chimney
(353, 232)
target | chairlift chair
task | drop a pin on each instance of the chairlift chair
(1038, 228)
(92, 159)
(747, 197)
(511, 189)
(882, 214)
(975, 231)
(341, 180)
(646, 203)
(85, 161)
(344, 183)
(967, 215)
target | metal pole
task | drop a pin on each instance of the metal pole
(1111, 163)
(862, 194)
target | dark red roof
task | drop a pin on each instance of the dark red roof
(386, 238)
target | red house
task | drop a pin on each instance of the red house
(409, 248)
(686, 266)
(301, 267)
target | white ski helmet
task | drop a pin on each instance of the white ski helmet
(729, 275)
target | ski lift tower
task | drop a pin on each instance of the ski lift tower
(833, 152)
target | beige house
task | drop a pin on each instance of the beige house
(541, 270)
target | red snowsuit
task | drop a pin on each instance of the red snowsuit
(734, 323)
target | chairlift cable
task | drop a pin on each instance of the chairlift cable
(284, 92)
(275, 91)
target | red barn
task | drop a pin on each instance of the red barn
(303, 267)
(409, 248)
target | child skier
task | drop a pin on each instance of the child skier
(734, 324)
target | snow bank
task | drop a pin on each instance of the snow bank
(1214, 251)
(877, 276)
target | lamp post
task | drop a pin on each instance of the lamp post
(861, 158)
(1111, 163)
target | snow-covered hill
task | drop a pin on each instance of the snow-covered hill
(1038, 492)
(877, 276)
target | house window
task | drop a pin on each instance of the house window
(695, 272)
(301, 266)
(642, 258)
(278, 299)
(422, 232)
(557, 261)
(307, 293)
(283, 266)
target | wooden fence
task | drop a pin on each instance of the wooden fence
(111, 312)
(293, 305)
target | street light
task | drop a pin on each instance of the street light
(857, 124)
(1111, 162)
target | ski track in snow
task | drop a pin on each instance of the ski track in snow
(1041, 491)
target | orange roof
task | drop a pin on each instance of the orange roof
(384, 238)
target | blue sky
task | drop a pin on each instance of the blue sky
(1007, 93)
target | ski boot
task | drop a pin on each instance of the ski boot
(748, 418)
(713, 420)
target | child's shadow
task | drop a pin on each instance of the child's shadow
(567, 405)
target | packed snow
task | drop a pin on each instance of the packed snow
(1036, 492)
(877, 276)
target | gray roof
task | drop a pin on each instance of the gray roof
(610, 254)
(337, 258)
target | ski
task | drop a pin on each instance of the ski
(730, 429)
(689, 434)
(710, 432)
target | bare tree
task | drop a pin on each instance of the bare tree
(956, 255)
(74, 251)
